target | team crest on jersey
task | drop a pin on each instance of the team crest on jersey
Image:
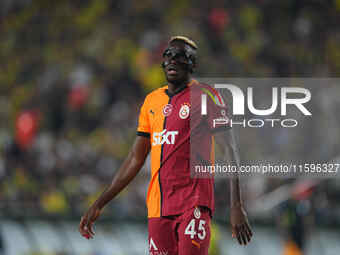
(184, 111)
(167, 109)
(197, 213)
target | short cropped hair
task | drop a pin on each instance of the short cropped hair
(184, 39)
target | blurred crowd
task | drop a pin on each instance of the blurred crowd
(74, 74)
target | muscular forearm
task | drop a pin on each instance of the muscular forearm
(231, 154)
(238, 216)
(235, 192)
(125, 174)
(128, 170)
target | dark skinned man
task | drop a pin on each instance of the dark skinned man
(179, 207)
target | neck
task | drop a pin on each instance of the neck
(174, 86)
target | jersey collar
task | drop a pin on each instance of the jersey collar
(180, 89)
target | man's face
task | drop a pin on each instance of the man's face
(177, 69)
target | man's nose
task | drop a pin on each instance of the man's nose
(173, 60)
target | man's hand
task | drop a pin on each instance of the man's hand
(239, 225)
(127, 171)
(86, 222)
(238, 216)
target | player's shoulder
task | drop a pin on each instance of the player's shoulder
(156, 93)
(205, 86)
(201, 87)
(212, 93)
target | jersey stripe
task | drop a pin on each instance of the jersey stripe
(157, 124)
(161, 161)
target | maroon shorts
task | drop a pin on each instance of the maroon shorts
(185, 234)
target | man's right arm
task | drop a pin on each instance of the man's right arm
(128, 170)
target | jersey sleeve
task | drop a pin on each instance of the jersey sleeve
(143, 128)
(217, 118)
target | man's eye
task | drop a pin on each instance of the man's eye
(167, 55)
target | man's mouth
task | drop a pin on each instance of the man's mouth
(171, 70)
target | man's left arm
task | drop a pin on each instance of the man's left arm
(238, 216)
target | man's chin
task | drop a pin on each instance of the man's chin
(174, 80)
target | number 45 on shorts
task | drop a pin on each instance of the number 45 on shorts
(191, 229)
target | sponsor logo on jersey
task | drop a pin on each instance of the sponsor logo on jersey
(152, 245)
(153, 249)
(167, 109)
(164, 137)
